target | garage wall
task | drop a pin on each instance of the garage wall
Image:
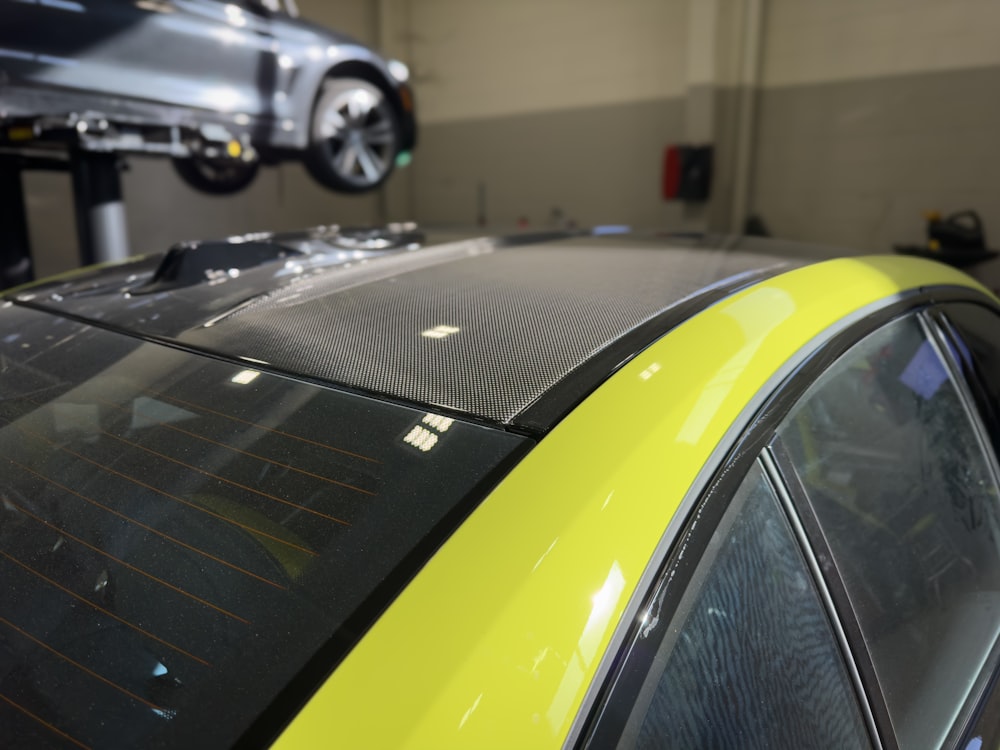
(162, 210)
(873, 111)
(557, 111)
(552, 111)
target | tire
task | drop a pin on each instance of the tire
(354, 136)
(216, 177)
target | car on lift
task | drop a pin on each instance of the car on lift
(220, 86)
(375, 490)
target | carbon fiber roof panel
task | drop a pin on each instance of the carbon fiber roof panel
(513, 330)
(486, 334)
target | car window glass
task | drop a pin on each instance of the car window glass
(976, 342)
(749, 659)
(179, 533)
(892, 466)
(977, 334)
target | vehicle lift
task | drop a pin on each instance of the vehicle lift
(92, 149)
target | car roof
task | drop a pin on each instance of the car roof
(506, 633)
(524, 598)
(514, 331)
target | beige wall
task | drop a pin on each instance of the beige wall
(356, 17)
(553, 111)
(868, 112)
(582, 166)
(481, 58)
(873, 111)
(821, 41)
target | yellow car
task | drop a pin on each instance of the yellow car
(347, 490)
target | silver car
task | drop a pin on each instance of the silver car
(220, 86)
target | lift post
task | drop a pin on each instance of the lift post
(92, 148)
(15, 250)
(97, 197)
(100, 210)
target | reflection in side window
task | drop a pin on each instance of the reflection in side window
(901, 486)
(977, 335)
(750, 659)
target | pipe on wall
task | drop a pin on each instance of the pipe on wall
(751, 43)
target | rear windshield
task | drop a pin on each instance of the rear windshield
(188, 545)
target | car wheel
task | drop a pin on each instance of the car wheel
(354, 136)
(216, 177)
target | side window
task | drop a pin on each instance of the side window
(977, 332)
(902, 488)
(749, 659)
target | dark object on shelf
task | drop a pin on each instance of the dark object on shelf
(961, 231)
(958, 239)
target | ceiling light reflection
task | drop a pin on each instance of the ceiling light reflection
(601, 620)
(399, 71)
(469, 712)
(439, 423)
(222, 98)
(421, 439)
(439, 332)
(244, 377)
(650, 371)
(235, 15)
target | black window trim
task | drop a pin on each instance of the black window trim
(744, 443)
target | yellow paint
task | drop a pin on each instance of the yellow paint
(494, 643)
